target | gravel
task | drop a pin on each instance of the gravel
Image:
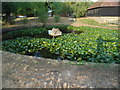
(21, 71)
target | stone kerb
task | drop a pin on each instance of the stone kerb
(105, 19)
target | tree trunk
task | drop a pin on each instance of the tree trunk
(44, 24)
(7, 18)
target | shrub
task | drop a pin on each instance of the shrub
(40, 32)
(24, 21)
(12, 22)
(26, 32)
(57, 18)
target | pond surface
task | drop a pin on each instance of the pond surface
(45, 34)
(46, 54)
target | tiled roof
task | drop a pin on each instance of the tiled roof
(105, 3)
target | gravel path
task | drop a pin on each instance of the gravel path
(20, 71)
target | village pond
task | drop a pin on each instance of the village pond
(75, 44)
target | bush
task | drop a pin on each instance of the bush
(27, 32)
(12, 22)
(24, 21)
(57, 18)
(41, 32)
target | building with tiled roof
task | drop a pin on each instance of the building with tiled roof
(104, 8)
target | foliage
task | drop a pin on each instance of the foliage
(79, 9)
(57, 7)
(24, 20)
(7, 9)
(94, 45)
(40, 9)
(33, 32)
(22, 8)
(42, 13)
(57, 18)
(26, 32)
(67, 10)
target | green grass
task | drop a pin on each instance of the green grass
(90, 22)
(93, 22)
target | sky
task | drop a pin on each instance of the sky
(94, 0)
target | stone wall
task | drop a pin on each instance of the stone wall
(106, 19)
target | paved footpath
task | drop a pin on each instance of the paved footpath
(20, 71)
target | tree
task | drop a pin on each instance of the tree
(57, 8)
(80, 8)
(77, 9)
(7, 9)
(66, 10)
(24, 8)
(40, 9)
(42, 13)
(12, 9)
(34, 8)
